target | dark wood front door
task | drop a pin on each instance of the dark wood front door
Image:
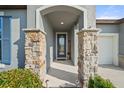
(61, 46)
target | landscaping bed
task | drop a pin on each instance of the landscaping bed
(19, 78)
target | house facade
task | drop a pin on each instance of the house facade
(60, 25)
(111, 33)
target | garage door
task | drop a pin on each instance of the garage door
(105, 48)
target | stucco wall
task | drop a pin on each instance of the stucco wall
(121, 39)
(18, 22)
(49, 42)
(108, 28)
(80, 21)
(91, 15)
(31, 14)
(74, 44)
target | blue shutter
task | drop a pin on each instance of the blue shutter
(1, 21)
(6, 41)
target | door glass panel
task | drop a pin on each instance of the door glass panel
(61, 45)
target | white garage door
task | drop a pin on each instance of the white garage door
(105, 48)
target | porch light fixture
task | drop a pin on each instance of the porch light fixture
(62, 23)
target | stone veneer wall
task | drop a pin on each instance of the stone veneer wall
(35, 45)
(121, 61)
(88, 55)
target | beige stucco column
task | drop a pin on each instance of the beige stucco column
(35, 44)
(87, 55)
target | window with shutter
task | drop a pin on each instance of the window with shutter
(5, 40)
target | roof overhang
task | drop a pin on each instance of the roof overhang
(109, 21)
(9, 7)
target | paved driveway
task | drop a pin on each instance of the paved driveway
(115, 74)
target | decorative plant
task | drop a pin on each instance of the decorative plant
(99, 82)
(19, 78)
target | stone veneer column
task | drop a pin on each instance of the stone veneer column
(87, 55)
(35, 45)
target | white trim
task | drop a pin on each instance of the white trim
(115, 37)
(66, 44)
(1, 13)
(39, 10)
(2, 66)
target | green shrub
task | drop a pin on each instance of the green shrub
(99, 82)
(19, 78)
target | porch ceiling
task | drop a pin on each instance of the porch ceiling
(68, 19)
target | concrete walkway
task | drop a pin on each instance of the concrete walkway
(113, 73)
(62, 74)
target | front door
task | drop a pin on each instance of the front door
(61, 41)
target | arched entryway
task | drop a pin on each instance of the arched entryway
(52, 8)
(42, 42)
(61, 23)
